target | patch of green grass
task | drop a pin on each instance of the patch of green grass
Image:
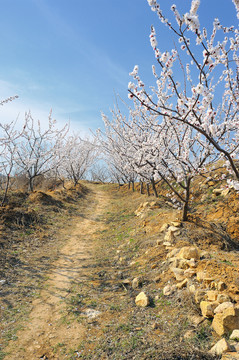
(227, 262)
(115, 307)
(2, 355)
(59, 346)
(93, 304)
(162, 300)
(10, 335)
(203, 335)
(125, 327)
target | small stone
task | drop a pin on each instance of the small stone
(217, 192)
(136, 283)
(178, 273)
(163, 227)
(173, 253)
(142, 299)
(192, 289)
(196, 320)
(235, 335)
(168, 290)
(182, 284)
(173, 229)
(220, 347)
(225, 192)
(207, 308)
(201, 275)
(168, 237)
(176, 223)
(178, 263)
(189, 252)
(220, 308)
(189, 273)
(192, 263)
(167, 243)
(126, 282)
(210, 183)
(212, 295)
(154, 266)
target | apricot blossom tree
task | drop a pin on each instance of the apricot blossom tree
(37, 147)
(76, 156)
(207, 65)
(159, 149)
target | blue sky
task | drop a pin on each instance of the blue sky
(74, 55)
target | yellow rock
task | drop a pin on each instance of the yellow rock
(192, 289)
(208, 281)
(201, 275)
(189, 273)
(235, 335)
(212, 295)
(163, 227)
(226, 321)
(182, 284)
(220, 347)
(176, 223)
(222, 307)
(178, 273)
(189, 252)
(142, 299)
(207, 308)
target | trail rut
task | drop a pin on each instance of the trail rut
(45, 329)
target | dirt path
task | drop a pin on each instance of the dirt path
(46, 330)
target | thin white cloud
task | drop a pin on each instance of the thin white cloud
(94, 54)
(17, 108)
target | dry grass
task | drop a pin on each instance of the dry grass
(125, 249)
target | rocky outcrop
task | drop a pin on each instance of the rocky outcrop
(226, 321)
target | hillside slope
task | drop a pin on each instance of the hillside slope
(108, 247)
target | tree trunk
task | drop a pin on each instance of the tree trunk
(31, 186)
(186, 203)
(141, 187)
(147, 187)
(129, 185)
(6, 190)
(132, 185)
(154, 188)
(63, 183)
